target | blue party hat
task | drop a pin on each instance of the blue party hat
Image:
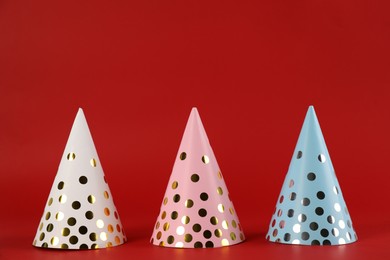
(311, 209)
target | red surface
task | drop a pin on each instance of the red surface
(251, 67)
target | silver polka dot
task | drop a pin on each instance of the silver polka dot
(337, 207)
(321, 158)
(301, 217)
(297, 228)
(341, 224)
(296, 242)
(330, 219)
(335, 232)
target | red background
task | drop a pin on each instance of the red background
(251, 67)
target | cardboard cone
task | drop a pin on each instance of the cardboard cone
(80, 212)
(311, 209)
(196, 210)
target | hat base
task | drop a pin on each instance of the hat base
(206, 244)
(64, 246)
(336, 241)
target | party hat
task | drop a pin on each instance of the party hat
(196, 210)
(311, 209)
(80, 212)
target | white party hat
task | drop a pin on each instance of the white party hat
(80, 212)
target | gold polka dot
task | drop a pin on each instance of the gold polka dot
(103, 236)
(220, 175)
(109, 244)
(174, 215)
(65, 232)
(93, 162)
(204, 196)
(175, 184)
(185, 220)
(183, 156)
(197, 227)
(218, 233)
(42, 236)
(214, 220)
(165, 201)
(93, 236)
(234, 224)
(89, 215)
(158, 236)
(176, 198)
(163, 215)
(64, 246)
(170, 239)
(110, 228)
(106, 195)
(83, 180)
(59, 216)
(195, 177)
(62, 199)
(91, 199)
(189, 203)
(166, 226)
(231, 210)
(95, 246)
(225, 224)
(219, 190)
(76, 204)
(60, 185)
(71, 221)
(100, 223)
(83, 230)
(45, 245)
(225, 242)
(157, 225)
(49, 227)
(180, 230)
(233, 236)
(71, 156)
(117, 240)
(73, 240)
(205, 159)
(48, 214)
(221, 208)
(41, 226)
(242, 237)
(106, 211)
(54, 241)
(50, 201)
(162, 243)
(187, 238)
(179, 244)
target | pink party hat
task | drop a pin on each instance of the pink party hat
(80, 211)
(196, 210)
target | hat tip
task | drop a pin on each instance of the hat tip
(194, 111)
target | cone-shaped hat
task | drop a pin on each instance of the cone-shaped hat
(80, 212)
(196, 210)
(311, 209)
